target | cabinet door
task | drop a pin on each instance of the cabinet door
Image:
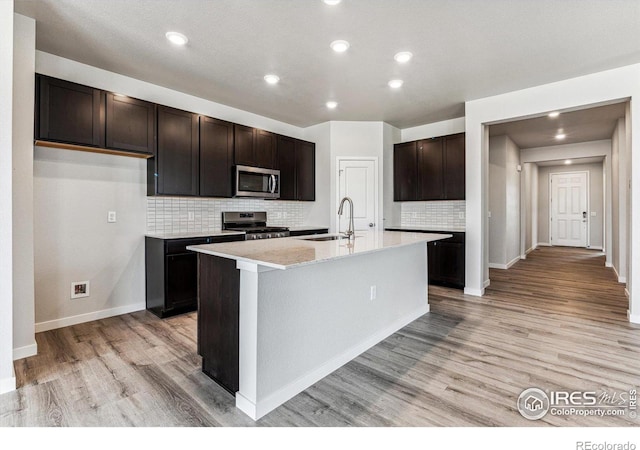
(305, 171)
(430, 167)
(451, 263)
(244, 145)
(405, 172)
(454, 167)
(69, 112)
(178, 151)
(130, 124)
(216, 157)
(266, 144)
(287, 166)
(181, 280)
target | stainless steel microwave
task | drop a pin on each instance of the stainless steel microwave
(257, 182)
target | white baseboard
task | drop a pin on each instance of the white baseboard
(272, 401)
(486, 284)
(25, 352)
(474, 292)
(497, 266)
(626, 292)
(530, 250)
(8, 384)
(620, 279)
(595, 247)
(543, 244)
(608, 264)
(88, 317)
(633, 318)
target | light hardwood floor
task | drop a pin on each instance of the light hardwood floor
(555, 321)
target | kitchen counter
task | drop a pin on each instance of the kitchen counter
(193, 234)
(288, 253)
(307, 228)
(275, 316)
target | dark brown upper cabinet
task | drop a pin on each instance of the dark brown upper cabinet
(454, 167)
(176, 165)
(297, 165)
(430, 169)
(69, 113)
(405, 172)
(244, 153)
(216, 157)
(255, 147)
(430, 173)
(287, 167)
(130, 124)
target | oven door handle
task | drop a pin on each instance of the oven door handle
(272, 184)
(269, 183)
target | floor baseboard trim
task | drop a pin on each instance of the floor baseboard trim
(486, 284)
(25, 351)
(497, 266)
(507, 265)
(543, 244)
(626, 292)
(608, 264)
(474, 292)
(88, 317)
(633, 318)
(277, 398)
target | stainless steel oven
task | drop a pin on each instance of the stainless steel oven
(257, 182)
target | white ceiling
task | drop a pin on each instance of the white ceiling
(463, 49)
(592, 124)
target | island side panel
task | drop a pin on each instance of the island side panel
(218, 318)
(312, 319)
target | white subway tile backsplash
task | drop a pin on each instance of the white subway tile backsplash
(442, 215)
(170, 214)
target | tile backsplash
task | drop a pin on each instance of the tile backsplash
(171, 214)
(440, 215)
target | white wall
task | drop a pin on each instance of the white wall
(392, 211)
(504, 202)
(7, 378)
(586, 91)
(596, 200)
(24, 343)
(443, 128)
(620, 183)
(355, 139)
(529, 208)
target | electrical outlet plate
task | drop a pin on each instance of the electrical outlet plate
(80, 289)
(373, 292)
(111, 217)
(191, 216)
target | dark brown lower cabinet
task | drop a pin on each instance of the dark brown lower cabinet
(445, 258)
(172, 274)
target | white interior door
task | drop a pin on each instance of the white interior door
(569, 209)
(358, 180)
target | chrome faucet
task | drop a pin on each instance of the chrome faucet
(349, 233)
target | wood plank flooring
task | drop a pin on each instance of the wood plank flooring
(555, 321)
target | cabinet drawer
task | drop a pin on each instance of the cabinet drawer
(180, 245)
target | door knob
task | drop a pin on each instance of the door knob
(371, 225)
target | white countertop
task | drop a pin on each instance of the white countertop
(307, 227)
(193, 234)
(287, 253)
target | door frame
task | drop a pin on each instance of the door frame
(376, 184)
(551, 174)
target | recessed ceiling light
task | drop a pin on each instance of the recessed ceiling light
(567, 161)
(554, 114)
(272, 79)
(403, 57)
(332, 104)
(395, 84)
(176, 38)
(332, 2)
(340, 46)
(560, 136)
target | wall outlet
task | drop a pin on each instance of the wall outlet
(593, 213)
(373, 292)
(191, 215)
(111, 217)
(489, 215)
(80, 289)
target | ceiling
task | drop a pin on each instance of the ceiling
(463, 50)
(592, 124)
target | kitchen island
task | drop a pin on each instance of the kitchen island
(275, 316)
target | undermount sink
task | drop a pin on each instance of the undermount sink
(332, 237)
